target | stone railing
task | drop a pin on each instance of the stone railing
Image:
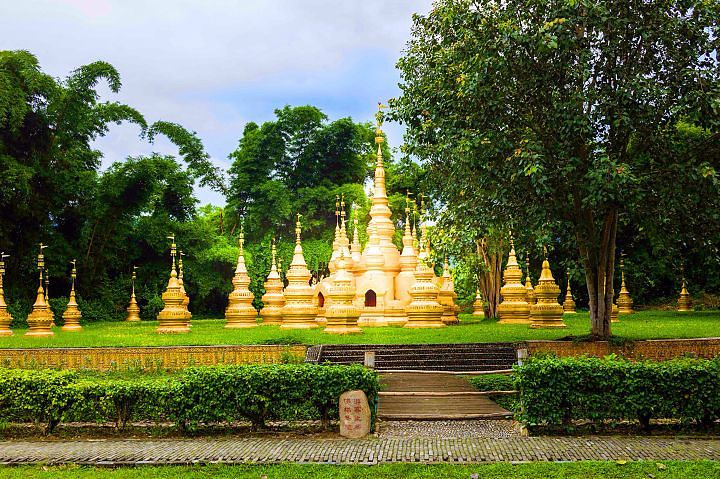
(162, 357)
(653, 349)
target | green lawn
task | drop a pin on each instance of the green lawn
(538, 470)
(642, 325)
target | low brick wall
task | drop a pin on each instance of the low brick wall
(653, 349)
(161, 357)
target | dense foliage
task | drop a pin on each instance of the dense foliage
(579, 121)
(199, 395)
(555, 391)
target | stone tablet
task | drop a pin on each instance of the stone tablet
(354, 414)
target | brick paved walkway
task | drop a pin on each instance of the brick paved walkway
(367, 451)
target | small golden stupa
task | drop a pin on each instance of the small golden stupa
(299, 311)
(240, 312)
(424, 311)
(568, 304)
(478, 305)
(72, 313)
(341, 313)
(273, 299)
(514, 307)
(624, 301)
(447, 296)
(5, 317)
(173, 318)
(615, 311)
(528, 282)
(133, 311)
(40, 319)
(181, 282)
(684, 301)
(547, 312)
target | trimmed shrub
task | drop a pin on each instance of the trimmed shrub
(202, 395)
(494, 382)
(555, 391)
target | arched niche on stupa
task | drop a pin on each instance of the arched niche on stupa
(320, 300)
(370, 299)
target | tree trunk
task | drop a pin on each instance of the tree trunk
(489, 278)
(598, 258)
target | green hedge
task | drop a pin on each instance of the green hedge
(555, 391)
(201, 395)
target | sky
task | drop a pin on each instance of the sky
(214, 65)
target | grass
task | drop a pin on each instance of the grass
(642, 325)
(538, 470)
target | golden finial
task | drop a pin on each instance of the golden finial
(527, 263)
(133, 278)
(298, 229)
(173, 248)
(2, 264)
(545, 251)
(274, 252)
(379, 119)
(73, 273)
(47, 284)
(342, 206)
(41, 259)
(337, 211)
(241, 239)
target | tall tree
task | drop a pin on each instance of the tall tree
(298, 163)
(563, 110)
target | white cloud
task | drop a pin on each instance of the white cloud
(213, 65)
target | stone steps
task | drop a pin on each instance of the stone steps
(465, 357)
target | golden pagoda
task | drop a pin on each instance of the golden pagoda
(72, 313)
(186, 298)
(514, 307)
(273, 299)
(173, 318)
(133, 311)
(341, 313)
(240, 312)
(624, 301)
(5, 317)
(528, 282)
(684, 301)
(547, 312)
(424, 311)
(447, 296)
(568, 304)
(299, 311)
(40, 319)
(478, 305)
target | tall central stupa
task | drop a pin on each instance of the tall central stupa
(382, 277)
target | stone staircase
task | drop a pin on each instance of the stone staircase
(469, 357)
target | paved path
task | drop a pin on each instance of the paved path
(433, 396)
(366, 451)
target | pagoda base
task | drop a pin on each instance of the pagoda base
(424, 324)
(172, 328)
(299, 325)
(373, 321)
(627, 311)
(39, 333)
(342, 329)
(506, 319)
(239, 324)
(450, 320)
(569, 312)
(71, 327)
(6, 332)
(548, 324)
